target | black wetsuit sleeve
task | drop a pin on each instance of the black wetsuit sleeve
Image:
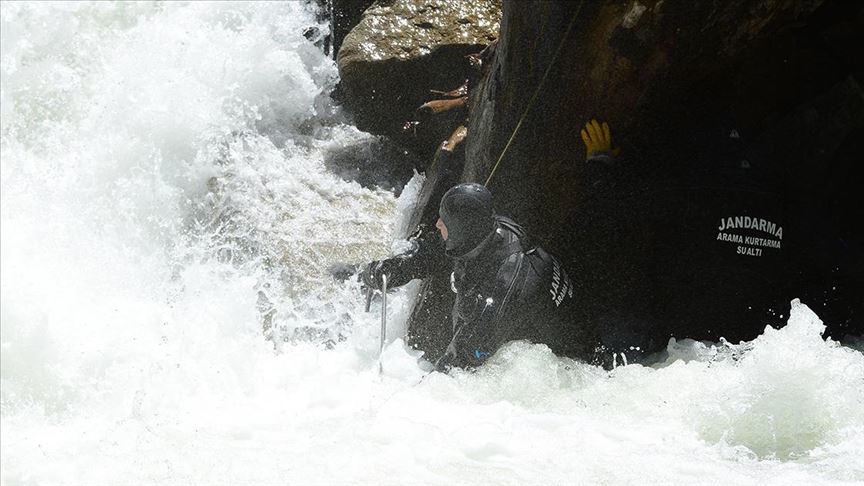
(418, 262)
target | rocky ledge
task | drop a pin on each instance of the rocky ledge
(403, 54)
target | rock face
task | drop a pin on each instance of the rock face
(620, 58)
(711, 103)
(675, 80)
(401, 50)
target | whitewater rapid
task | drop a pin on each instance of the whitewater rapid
(167, 218)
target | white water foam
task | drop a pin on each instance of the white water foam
(165, 206)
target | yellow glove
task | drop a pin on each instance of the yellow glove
(598, 139)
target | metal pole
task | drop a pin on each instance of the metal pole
(369, 292)
(383, 322)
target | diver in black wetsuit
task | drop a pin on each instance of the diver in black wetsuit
(506, 287)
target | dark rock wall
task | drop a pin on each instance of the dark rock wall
(674, 79)
(748, 108)
(619, 58)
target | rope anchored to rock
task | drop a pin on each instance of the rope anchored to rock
(536, 92)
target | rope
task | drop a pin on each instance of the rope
(536, 92)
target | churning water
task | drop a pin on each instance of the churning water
(167, 216)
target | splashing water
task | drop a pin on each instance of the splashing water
(166, 219)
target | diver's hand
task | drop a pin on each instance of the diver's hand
(598, 140)
(371, 275)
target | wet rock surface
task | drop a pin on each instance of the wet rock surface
(377, 162)
(399, 52)
(675, 80)
(710, 102)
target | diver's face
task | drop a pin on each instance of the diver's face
(442, 228)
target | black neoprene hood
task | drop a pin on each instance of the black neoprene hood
(469, 215)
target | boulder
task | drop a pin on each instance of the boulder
(399, 52)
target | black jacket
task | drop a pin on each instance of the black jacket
(506, 289)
